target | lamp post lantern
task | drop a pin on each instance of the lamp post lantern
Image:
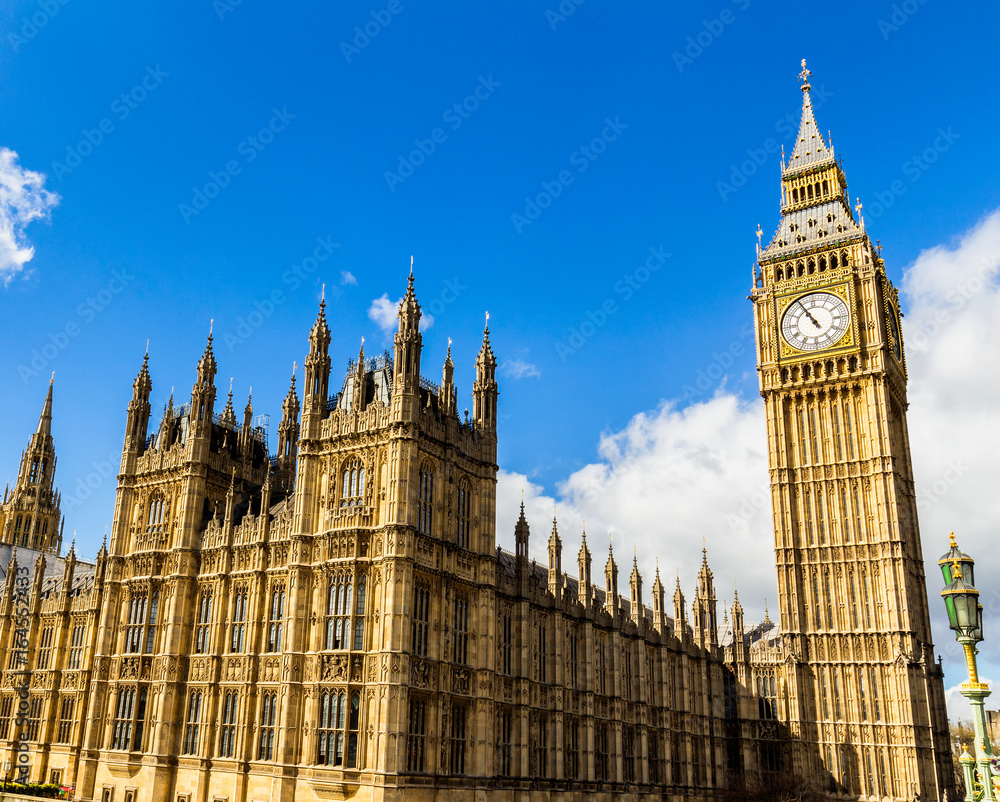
(965, 617)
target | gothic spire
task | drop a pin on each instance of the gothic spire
(206, 365)
(45, 420)
(810, 148)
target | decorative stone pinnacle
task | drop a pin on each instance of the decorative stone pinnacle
(804, 77)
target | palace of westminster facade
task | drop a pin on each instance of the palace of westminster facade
(335, 621)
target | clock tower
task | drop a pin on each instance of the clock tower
(863, 697)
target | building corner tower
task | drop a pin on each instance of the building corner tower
(863, 696)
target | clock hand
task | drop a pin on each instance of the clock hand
(815, 322)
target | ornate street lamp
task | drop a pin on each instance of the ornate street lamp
(965, 617)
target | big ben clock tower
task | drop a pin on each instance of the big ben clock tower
(863, 697)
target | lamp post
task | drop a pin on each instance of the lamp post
(965, 617)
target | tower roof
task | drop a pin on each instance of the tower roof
(810, 148)
(45, 419)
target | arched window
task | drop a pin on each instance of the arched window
(140, 629)
(239, 625)
(463, 518)
(193, 722)
(352, 488)
(154, 522)
(425, 500)
(339, 630)
(204, 617)
(276, 620)
(359, 615)
(227, 732)
(268, 724)
(330, 729)
(33, 478)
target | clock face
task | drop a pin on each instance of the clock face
(897, 343)
(815, 321)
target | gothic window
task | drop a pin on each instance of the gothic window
(6, 706)
(352, 488)
(572, 753)
(416, 735)
(854, 601)
(276, 620)
(862, 698)
(847, 421)
(193, 722)
(601, 751)
(868, 605)
(332, 714)
(462, 516)
(227, 732)
(154, 521)
(809, 516)
(817, 620)
(76, 648)
(540, 745)
(833, 258)
(821, 515)
(130, 712)
(353, 722)
(795, 194)
(829, 600)
(44, 648)
(459, 713)
(421, 618)
(66, 720)
(506, 642)
(573, 658)
(30, 731)
(868, 770)
(543, 652)
(822, 261)
(425, 500)
(359, 615)
(845, 529)
(767, 697)
(628, 754)
(204, 618)
(836, 692)
(627, 673)
(602, 685)
(857, 515)
(268, 724)
(824, 698)
(140, 630)
(460, 634)
(809, 191)
(504, 743)
(33, 478)
(238, 632)
(876, 707)
(338, 613)
(657, 763)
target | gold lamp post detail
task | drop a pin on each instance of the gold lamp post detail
(965, 617)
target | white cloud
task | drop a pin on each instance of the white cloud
(22, 200)
(519, 369)
(347, 277)
(959, 708)
(673, 476)
(384, 313)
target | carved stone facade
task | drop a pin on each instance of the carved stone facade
(335, 620)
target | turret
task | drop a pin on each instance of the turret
(585, 590)
(246, 433)
(706, 625)
(739, 644)
(680, 616)
(408, 343)
(288, 434)
(484, 391)
(448, 400)
(659, 617)
(137, 424)
(317, 375)
(611, 585)
(555, 562)
(203, 393)
(635, 585)
(521, 533)
(228, 413)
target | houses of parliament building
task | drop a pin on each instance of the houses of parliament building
(335, 621)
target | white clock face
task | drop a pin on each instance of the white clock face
(815, 321)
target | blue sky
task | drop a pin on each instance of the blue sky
(234, 140)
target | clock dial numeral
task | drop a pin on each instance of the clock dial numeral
(815, 321)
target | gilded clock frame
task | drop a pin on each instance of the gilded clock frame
(844, 291)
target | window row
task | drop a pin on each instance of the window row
(425, 507)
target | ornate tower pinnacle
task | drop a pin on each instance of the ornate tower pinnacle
(585, 588)
(485, 392)
(555, 560)
(408, 343)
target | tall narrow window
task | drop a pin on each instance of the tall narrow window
(814, 430)
(6, 706)
(627, 673)
(858, 513)
(332, 712)
(506, 642)
(204, 618)
(543, 652)
(868, 604)
(829, 600)
(540, 744)
(276, 622)
(460, 634)
(850, 428)
(45, 648)
(862, 698)
(239, 626)
(462, 517)
(268, 723)
(154, 604)
(66, 720)
(338, 613)
(838, 437)
(802, 436)
(30, 731)
(854, 601)
(821, 515)
(817, 609)
(876, 709)
(628, 755)
(352, 491)
(425, 500)
(601, 751)
(193, 723)
(602, 667)
(458, 738)
(573, 658)
(809, 516)
(121, 733)
(836, 692)
(359, 615)
(421, 619)
(416, 735)
(504, 742)
(824, 698)
(135, 628)
(227, 732)
(845, 528)
(76, 648)
(353, 722)
(33, 478)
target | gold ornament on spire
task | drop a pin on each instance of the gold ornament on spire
(804, 77)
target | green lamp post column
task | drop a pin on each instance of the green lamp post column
(965, 617)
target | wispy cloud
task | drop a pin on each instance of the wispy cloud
(22, 200)
(519, 369)
(347, 277)
(384, 313)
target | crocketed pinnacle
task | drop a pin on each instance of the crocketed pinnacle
(810, 148)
